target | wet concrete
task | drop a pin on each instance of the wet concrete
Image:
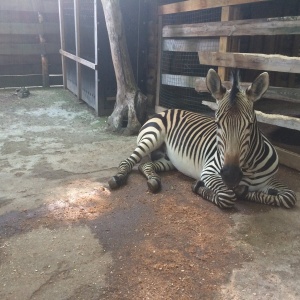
(65, 235)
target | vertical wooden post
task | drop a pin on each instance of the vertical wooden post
(226, 43)
(294, 52)
(62, 42)
(98, 106)
(77, 44)
(44, 59)
(159, 58)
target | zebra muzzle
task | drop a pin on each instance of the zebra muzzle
(231, 175)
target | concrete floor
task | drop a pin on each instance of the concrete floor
(65, 235)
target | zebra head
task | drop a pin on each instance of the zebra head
(236, 122)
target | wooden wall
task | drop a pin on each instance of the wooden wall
(29, 43)
(252, 35)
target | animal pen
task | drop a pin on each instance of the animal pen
(254, 36)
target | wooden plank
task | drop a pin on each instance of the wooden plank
(159, 60)
(270, 26)
(285, 94)
(21, 80)
(78, 59)
(192, 5)
(7, 60)
(77, 46)
(18, 38)
(276, 93)
(28, 49)
(39, 5)
(23, 69)
(15, 81)
(256, 61)
(29, 28)
(179, 80)
(278, 120)
(191, 45)
(288, 158)
(19, 60)
(62, 42)
(56, 79)
(27, 6)
(272, 119)
(99, 101)
(224, 45)
(27, 38)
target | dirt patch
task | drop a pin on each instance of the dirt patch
(181, 250)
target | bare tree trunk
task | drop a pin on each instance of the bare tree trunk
(130, 102)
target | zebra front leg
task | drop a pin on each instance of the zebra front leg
(275, 193)
(149, 170)
(124, 169)
(214, 190)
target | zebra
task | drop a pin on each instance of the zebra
(227, 155)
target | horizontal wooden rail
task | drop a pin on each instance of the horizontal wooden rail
(256, 61)
(273, 119)
(278, 120)
(288, 158)
(78, 59)
(28, 49)
(28, 80)
(199, 83)
(180, 81)
(270, 26)
(24, 69)
(28, 59)
(29, 28)
(191, 45)
(273, 92)
(192, 5)
(21, 5)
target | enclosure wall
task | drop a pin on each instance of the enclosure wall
(29, 48)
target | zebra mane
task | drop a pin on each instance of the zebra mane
(235, 77)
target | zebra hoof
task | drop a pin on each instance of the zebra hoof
(197, 185)
(114, 182)
(241, 191)
(154, 185)
(272, 192)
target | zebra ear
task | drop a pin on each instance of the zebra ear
(214, 85)
(259, 86)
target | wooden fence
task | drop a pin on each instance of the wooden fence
(227, 37)
(30, 43)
